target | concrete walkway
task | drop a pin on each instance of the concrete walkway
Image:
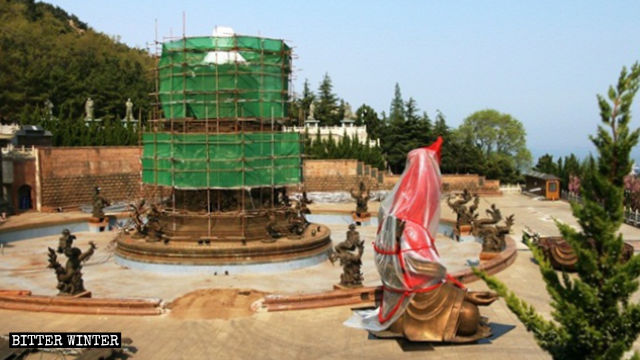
(309, 334)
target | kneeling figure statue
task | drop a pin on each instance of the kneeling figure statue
(420, 301)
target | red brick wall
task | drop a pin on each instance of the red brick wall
(336, 175)
(475, 183)
(68, 175)
(24, 173)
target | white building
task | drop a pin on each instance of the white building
(336, 132)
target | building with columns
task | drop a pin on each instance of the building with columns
(347, 126)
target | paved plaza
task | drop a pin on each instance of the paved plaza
(308, 334)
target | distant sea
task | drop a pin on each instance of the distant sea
(580, 152)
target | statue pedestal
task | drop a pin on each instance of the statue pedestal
(463, 233)
(97, 225)
(84, 294)
(345, 287)
(360, 217)
(484, 256)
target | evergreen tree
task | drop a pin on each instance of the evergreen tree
(546, 165)
(326, 110)
(366, 115)
(440, 127)
(593, 317)
(307, 98)
(411, 111)
(397, 112)
(425, 125)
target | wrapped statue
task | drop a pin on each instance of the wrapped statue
(420, 301)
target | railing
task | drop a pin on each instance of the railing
(570, 196)
(511, 189)
(10, 149)
(632, 217)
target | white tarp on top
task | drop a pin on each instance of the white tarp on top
(219, 57)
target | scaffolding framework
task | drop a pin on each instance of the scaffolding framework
(236, 77)
(215, 149)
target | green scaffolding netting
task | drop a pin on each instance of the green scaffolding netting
(236, 160)
(224, 77)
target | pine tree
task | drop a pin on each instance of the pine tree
(307, 98)
(440, 127)
(397, 112)
(411, 110)
(593, 316)
(326, 110)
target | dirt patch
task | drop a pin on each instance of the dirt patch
(215, 304)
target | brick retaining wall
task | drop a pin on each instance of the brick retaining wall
(69, 174)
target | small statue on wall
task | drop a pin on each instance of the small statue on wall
(128, 110)
(99, 203)
(349, 252)
(70, 276)
(88, 109)
(362, 197)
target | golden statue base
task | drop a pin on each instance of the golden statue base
(445, 314)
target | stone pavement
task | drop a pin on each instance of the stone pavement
(308, 334)
(312, 334)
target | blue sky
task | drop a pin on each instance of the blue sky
(543, 62)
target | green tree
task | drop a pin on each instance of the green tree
(461, 156)
(366, 115)
(326, 110)
(397, 112)
(440, 127)
(48, 54)
(411, 111)
(546, 165)
(307, 98)
(593, 317)
(495, 132)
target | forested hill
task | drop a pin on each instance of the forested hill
(47, 53)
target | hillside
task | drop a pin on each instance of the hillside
(50, 54)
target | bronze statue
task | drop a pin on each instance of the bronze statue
(137, 212)
(560, 253)
(349, 252)
(154, 230)
(65, 241)
(304, 201)
(70, 276)
(492, 234)
(297, 222)
(464, 215)
(495, 217)
(99, 204)
(362, 197)
(447, 313)
(304, 209)
(273, 230)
